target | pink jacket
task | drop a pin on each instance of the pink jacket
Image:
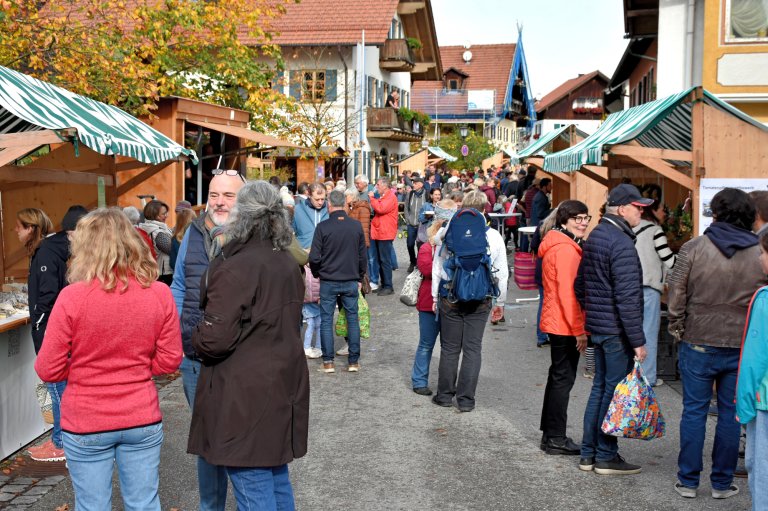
(117, 342)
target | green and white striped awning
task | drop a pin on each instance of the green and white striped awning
(661, 124)
(28, 104)
(544, 140)
(441, 154)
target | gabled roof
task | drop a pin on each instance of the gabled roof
(319, 22)
(566, 88)
(457, 71)
(489, 68)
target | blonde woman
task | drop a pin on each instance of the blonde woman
(429, 328)
(184, 219)
(110, 331)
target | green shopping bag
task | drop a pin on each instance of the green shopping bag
(364, 316)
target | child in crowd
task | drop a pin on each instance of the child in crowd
(310, 311)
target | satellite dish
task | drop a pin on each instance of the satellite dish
(467, 56)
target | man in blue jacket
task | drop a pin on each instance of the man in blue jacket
(309, 213)
(609, 286)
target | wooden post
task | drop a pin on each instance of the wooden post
(697, 146)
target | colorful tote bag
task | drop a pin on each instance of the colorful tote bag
(363, 316)
(634, 410)
(525, 271)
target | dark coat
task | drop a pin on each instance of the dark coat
(47, 277)
(609, 285)
(252, 402)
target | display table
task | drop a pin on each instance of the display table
(20, 418)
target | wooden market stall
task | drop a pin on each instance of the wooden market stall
(56, 149)
(419, 160)
(689, 143)
(499, 159)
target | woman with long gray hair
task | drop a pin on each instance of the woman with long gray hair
(251, 411)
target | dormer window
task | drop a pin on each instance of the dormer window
(453, 84)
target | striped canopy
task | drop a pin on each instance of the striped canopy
(661, 124)
(28, 104)
(437, 151)
(542, 142)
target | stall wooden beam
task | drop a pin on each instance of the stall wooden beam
(666, 170)
(35, 138)
(15, 174)
(13, 154)
(140, 178)
(561, 175)
(651, 152)
(596, 172)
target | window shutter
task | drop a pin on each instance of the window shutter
(370, 91)
(379, 90)
(330, 85)
(295, 85)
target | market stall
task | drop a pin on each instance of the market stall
(499, 159)
(419, 160)
(56, 149)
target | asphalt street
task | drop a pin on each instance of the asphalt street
(375, 445)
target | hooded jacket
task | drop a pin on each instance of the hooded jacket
(47, 277)
(305, 220)
(561, 313)
(752, 382)
(711, 286)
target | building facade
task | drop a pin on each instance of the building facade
(576, 101)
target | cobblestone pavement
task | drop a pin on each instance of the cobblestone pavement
(375, 445)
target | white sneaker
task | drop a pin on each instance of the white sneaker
(343, 352)
(313, 352)
(659, 382)
(374, 286)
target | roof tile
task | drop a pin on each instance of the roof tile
(566, 87)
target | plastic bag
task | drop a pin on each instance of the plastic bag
(634, 410)
(363, 316)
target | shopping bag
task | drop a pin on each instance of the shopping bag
(410, 293)
(634, 410)
(363, 316)
(44, 399)
(525, 271)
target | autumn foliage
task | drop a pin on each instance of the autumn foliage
(131, 52)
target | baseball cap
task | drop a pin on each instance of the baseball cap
(417, 179)
(627, 194)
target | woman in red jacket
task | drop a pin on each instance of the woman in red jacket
(429, 327)
(563, 319)
(110, 331)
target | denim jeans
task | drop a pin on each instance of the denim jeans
(700, 368)
(56, 390)
(651, 325)
(429, 329)
(541, 337)
(757, 461)
(525, 240)
(393, 256)
(384, 249)
(562, 375)
(211, 480)
(410, 243)
(347, 291)
(614, 359)
(461, 333)
(374, 269)
(135, 451)
(262, 489)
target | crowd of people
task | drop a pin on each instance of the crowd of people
(223, 297)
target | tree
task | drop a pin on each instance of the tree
(479, 147)
(131, 52)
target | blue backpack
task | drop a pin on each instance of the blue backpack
(468, 265)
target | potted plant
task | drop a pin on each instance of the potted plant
(413, 43)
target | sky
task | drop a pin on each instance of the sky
(561, 38)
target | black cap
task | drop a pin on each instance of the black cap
(627, 194)
(73, 214)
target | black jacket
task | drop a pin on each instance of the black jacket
(338, 249)
(47, 277)
(609, 285)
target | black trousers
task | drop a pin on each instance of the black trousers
(562, 374)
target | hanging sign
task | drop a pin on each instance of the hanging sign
(464, 150)
(710, 186)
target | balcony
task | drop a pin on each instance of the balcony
(396, 56)
(386, 123)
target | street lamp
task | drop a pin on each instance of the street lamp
(463, 130)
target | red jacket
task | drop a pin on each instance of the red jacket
(424, 264)
(384, 223)
(117, 341)
(561, 313)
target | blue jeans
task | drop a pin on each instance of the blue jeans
(700, 368)
(262, 489)
(651, 326)
(429, 328)
(525, 240)
(56, 390)
(211, 480)
(756, 460)
(614, 360)
(330, 291)
(541, 337)
(410, 243)
(383, 248)
(393, 258)
(373, 261)
(135, 451)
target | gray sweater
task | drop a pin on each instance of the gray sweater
(655, 255)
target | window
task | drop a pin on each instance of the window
(313, 86)
(745, 21)
(453, 85)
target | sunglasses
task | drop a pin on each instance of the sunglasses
(582, 219)
(233, 173)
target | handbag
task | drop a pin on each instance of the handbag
(363, 317)
(410, 293)
(634, 410)
(525, 271)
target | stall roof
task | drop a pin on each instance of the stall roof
(253, 136)
(662, 124)
(441, 154)
(542, 142)
(28, 105)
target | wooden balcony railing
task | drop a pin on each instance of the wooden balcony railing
(387, 123)
(396, 55)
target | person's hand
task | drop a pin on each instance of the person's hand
(581, 343)
(497, 313)
(434, 307)
(370, 194)
(359, 286)
(640, 354)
